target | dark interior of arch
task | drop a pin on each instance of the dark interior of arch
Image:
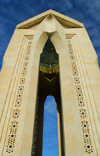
(48, 84)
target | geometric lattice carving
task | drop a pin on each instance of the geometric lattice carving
(16, 113)
(76, 80)
(87, 137)
(88, 147)
(19, 96)
(12, 137)
(83, 113)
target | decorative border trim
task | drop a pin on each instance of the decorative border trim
(15, 114)
(83, 113)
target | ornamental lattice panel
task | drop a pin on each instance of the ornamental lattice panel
(50, 54)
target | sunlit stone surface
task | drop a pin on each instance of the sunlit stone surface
(50, 54)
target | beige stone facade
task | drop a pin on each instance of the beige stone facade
(79, 115)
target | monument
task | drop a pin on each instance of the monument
(50, 54)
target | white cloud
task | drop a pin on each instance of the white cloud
(50, 105)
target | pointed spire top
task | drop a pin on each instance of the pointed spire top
(64, 20)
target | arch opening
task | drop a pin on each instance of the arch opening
(48, 84)
(50, 136)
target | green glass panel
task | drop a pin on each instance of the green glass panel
(49, 57)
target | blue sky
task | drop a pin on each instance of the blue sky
(50, 145)
(13, 12)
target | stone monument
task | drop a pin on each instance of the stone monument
(50, 54)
